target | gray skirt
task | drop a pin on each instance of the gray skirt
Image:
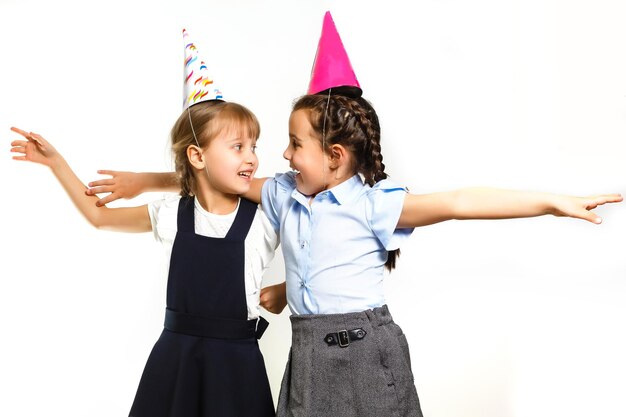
(371, 376)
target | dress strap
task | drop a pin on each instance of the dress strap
(185, 214)
(243, 220)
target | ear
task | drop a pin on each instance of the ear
(338, 156)
(195, 156)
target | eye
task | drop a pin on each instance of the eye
(254, 148)
(237, 147)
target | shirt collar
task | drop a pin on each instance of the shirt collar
(348, 190)
(342, 193)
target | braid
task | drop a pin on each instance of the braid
(372, 166)
(352, 123)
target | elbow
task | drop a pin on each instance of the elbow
(457, 205)
(469, 203)
(98, 226)
(98, 218)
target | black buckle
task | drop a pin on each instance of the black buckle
(343, 338)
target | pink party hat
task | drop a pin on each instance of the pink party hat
(332, 68)
(198, 84)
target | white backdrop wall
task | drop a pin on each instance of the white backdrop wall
(509, 318)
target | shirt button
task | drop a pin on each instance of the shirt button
(302, 283)
(302, 245)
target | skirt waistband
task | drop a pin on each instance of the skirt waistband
(378, 316)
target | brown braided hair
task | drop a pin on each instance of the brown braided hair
(209, 119)
(353, 123)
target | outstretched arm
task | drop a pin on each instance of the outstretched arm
(36, 149)
(488, 203)
(126, 184)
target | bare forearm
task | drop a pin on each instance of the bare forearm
(160, 181)
(75, 189)
(490, 203)
(127, 184)
(131, 219)
(254, 194)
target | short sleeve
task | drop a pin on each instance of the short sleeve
(272, 240)
(164, 217)
(275, 194)
(383, 208)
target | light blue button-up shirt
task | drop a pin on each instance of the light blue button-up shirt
(335, 248)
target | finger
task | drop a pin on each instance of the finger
(99, 183)
(589, 216)
(19, 142)
(106, 200)
(32, 137)
(21, 132)
(19, 158)
(107, 172)
(37, 138)
(100, 190)
(604, 199)
(612, 198)
(20, 149)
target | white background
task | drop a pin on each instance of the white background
(504, 318)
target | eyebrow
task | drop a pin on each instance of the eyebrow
(240, 139)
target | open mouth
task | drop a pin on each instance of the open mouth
(245, 174)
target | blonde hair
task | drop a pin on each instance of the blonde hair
(208, 120)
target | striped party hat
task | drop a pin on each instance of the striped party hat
(198, 84)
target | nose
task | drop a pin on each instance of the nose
(287, 153)
(251, 157)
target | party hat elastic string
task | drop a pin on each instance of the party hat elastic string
(324, 135)
(198, 85)
(193, 132)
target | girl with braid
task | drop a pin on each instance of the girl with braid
(341, 223)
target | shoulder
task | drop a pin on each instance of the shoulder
(283, 181)
(385, 186)
(165, 205)
(276, 194)
(164, 215)
(384, 192)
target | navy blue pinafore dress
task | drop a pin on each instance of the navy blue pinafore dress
(207, 361)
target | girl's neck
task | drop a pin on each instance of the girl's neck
(217, 203)
(330, 185)
(338, 177)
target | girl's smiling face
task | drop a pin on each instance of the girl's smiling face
(231, 162)
(306, 156)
